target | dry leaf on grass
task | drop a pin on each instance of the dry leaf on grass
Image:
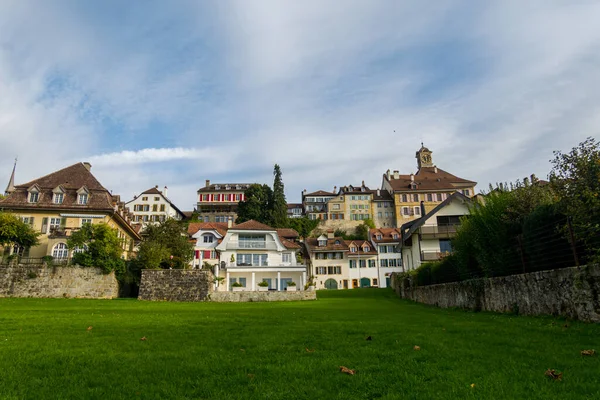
(89, 328)
(472, 385)
(417, 348)
(243, 350)
(309, 350)
(369, 338)
(347, 370)
(588, 352)
(251, 376)
(143, 338)
(550, 373)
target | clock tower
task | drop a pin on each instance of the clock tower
(424, 157)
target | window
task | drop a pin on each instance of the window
(334, 270)
(429, 197)
(286, 257)
(404, 198)
(34, 197)
(336, 206)
(445, 246)
(60, 250)
(383, 262)
(371, 263)
(154, 207)
(379, 205)
(375, 282)
(439, 197)
(379, 215)
(353, 249)
(417, 210)
(243, 281)
(466, 192)
(27, 220)
(330, 256)
(86, 221)
(145, 218)
(323, 243)
(255, 260)
(82, 199)
(157, 199)
(162, 208)
(367, 248)
(415, 197)
(363, 263)
(379, 237)
(58, 198)
(352, 263)
(382, 249)
(144, 199)
(394, 236)
(54, 223)
(321, 270)
(238, 197)
(392, 262)
(405, 211)
(80, 249)
(208, 238)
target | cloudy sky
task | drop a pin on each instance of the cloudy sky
(336, 92)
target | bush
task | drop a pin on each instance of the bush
(48, 260)
(263, 284)
(291, 283)
(236, 284)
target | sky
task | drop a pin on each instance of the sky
(336, 93)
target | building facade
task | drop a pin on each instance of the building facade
(295, 210)
(315, 204)
(218, 202)
(153, 206)
(58, 204)
(430, 186)
(206, 236)
(387, 242)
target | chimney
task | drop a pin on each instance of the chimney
(207, 183)
(412, 177)
(387, 173)
(229, 222)
(165, 191)
(378, 192)
(335, 189)
(330, 233)
(435, 169)
(87, 166)
(303, 192)
(155, 186)
(396, 174)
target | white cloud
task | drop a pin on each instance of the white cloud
(146, 156)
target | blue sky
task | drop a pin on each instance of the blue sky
(174, 93)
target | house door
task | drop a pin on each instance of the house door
(345, 283)
(365, 282)
(354, 283)
(331, 284)
(387, 281)
(284, 283)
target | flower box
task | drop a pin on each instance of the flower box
(238, 289)
(291, 288)
(263, 288)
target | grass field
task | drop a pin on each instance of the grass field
(259, 351)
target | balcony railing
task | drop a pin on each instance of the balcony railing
(248, 265)
(438, 231)
(433, 255)
(251, 245)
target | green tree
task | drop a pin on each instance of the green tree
(575, 178)
(13, 231)
(257, 204)
(165, 245)
(100, 247)
(278, 205)
(304, 226)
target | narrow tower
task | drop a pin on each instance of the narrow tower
(11, 183)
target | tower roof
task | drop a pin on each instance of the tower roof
(11, 182)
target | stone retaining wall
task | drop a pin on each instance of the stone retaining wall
(240, 297)
(175, 285)
(569, 292)
(43, 281)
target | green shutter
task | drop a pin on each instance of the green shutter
(63, 222)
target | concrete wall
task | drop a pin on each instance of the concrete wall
(41, 281)
(175, 285)
(568, 292)
(239, 297)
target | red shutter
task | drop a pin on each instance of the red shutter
(197, 254)
(206, 254)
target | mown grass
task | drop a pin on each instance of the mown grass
(259, 351)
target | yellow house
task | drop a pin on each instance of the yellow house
(60, 203)
(417, 194)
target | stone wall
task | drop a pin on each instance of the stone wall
(43, 281)
(175, 285)
(240, 297)
(568, 292)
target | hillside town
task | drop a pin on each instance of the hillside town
(412, 218)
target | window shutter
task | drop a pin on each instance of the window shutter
(63, 222)
(44, 225)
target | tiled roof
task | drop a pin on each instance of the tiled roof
(72, 177)
(319, 193)
(386, 235)
(360, 244)
(253, 225)
(187, 214)
(427, 178)
(220, 227)
(355, 189)
(287, 233)
(288, 244)
(294, 205)
(313, 245)
(153, 190)
(383, 195)
(223, 187)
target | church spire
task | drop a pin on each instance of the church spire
(11, 183)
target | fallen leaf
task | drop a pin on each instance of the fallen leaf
(550, 373)
(243, 350)
(347, 370)
(369, 338)
(417, 348)
(89, 328)
(309, 350)
(472, 385)
(588, 352)
(251, 376)
(143, 338)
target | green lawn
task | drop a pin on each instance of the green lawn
(259, 350)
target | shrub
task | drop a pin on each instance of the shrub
(48, 260)
(236, 284)
(31, 275)
(291, 283)
(263, 284)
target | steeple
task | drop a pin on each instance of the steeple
(11, 183)
(423, 156)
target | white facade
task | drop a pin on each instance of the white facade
(249, 256)
(205, 249)
(153, 206)
(389, 256)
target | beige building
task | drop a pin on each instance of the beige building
(60, 203)
(153, 206)
(387, 242)
(218, 202)
(430, 186)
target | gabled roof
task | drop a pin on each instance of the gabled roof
(223, 187)
(287, 233)
(386, 235)
(72, 177)
(319, 193)
(382, 195)
(153, 190)
(252, 225)
(312, 244)
(427, 178)
(410, 227)
(360, 244)
(294, 205)
(288, 244)
(220, 227)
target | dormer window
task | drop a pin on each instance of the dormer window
(82, 198)
(353, 249)
(34, 197)
(238, 187)
(378, 237)
(227, 187)
(217, 187)
(366, 248)
(58, 198)
(337, 242)
(322, 243)
(395, 236)
(413, 185)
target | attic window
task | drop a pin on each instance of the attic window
(322, 242)
(82, 198)
(378, 237)
(353, 249)
(217, 187)
(366, 248)
(413, 185)
(238, 187)
(227, 187)
(58, 198)
(337, 242)
(34, 197)
(395, 236)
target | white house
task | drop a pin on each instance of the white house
(252, 252)
(206, 237)
(389, 257)
(429, 237)
(153, 206)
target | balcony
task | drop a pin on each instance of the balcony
(251, 245)
(438, 231)
(233, 266)
(433, 255)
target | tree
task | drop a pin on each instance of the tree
(13, 231)
(165, 245)
(97, 245)
(304, 226)
(257, 204)
(575, 178)
(278, 205)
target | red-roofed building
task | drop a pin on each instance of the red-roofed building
(218, 202)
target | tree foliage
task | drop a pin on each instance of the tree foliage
(13, 231)
(101, 247)
(361, 232)
(257, 204)
(165, 245)
(304, 226)
(279, 217)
